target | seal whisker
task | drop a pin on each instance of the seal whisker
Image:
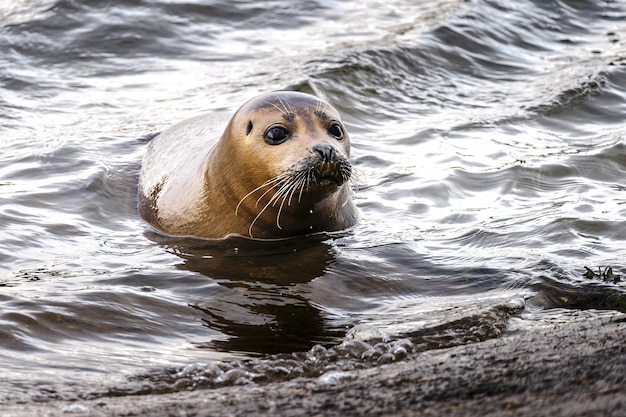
(356, 178)
(286, 106)
(271, 202)
(294, 186)
(280, 209)
(285, 109)
(283, 180)
(297, 185)
(284, 187)
(286, 193)
(255, 219)
(305, 183)
(265, 184)
(272, 181)
(325, 107)
(281, 110)
(283, 190)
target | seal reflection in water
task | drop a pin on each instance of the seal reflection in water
(279, 169)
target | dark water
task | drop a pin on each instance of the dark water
(490, 140)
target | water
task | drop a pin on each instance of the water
(489, 137)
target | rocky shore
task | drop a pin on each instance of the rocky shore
(555, 368)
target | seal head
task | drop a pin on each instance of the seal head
(280, 169)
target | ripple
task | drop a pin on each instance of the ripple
(489, 140)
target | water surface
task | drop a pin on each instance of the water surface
(489, 138)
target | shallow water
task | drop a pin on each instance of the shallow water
(489, 137)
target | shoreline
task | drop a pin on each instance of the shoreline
(573, 368)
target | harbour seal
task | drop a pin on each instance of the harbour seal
(279, 169)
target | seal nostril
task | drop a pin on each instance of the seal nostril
(325, 151)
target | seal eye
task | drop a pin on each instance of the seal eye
(276, 135)
(335, 130)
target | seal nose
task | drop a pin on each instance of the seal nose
(325, 151)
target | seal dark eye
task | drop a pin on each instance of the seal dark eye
(335, 130)
(276, 135)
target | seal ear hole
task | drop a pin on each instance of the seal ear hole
(335, 130)
(249, 128)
